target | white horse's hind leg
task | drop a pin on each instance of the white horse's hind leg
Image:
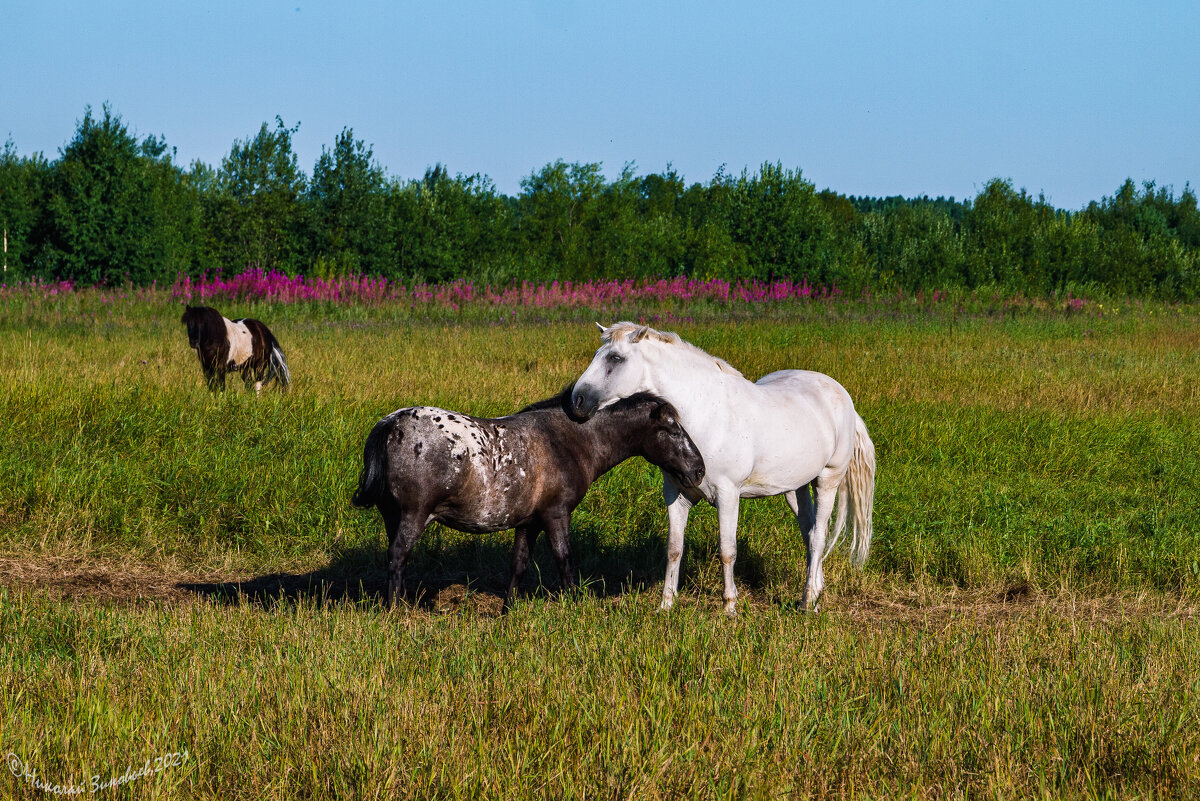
(800, 501)
(678, 508)
(727, 518)
(814, 538)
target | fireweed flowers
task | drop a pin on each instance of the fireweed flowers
(276, 286)
(272, 286)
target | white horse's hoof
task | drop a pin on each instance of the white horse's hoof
(731, 609)
(666, 605)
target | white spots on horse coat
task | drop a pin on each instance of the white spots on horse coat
(465, 439)
(483, 451)
(465, 454)
(241, 343)
(461, 434)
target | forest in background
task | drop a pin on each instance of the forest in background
(115, 210)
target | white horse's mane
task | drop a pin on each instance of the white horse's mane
(635, 333)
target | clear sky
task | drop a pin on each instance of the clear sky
(910, 98)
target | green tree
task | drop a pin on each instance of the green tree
(1185, 219)
(23, 184)
(347, 200)
(661, 235)
(557, 220)
(1145, 240)
(254, 218)
(914, 247)
(1070, 252)
(106, 219)
(182, 215)
(786, 230)
(628, 229)
(1001, 235)
(706, 213)
(446, 228)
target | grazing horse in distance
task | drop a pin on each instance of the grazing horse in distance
(527, 471)
(245, 346)
(793, 433)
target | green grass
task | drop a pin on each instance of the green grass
(1025, 625)
(589, 698)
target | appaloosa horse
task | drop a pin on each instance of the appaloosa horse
(245, 346)
(527, 471)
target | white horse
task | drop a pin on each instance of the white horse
(791, 432)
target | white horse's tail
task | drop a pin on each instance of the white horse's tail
(856, 496)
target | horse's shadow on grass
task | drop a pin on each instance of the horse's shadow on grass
(479, 566)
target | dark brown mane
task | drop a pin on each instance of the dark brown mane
(208, 322)
(561, 400)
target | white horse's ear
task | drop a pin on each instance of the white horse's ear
(602, 328)
(640, 334)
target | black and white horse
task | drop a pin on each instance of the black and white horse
(527, 471)
(245, 346)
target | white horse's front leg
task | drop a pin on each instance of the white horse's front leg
(678, 508)
(727, 518)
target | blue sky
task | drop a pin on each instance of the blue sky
(936, 98)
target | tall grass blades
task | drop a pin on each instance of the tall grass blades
(182, 572)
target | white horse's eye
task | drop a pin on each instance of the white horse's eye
(616, 358)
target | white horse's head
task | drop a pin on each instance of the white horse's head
(617, 371)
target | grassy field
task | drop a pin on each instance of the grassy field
(182, 573)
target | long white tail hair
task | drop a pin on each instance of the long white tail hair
(856, 497)
(279, 366)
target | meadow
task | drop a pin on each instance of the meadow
(183, 578)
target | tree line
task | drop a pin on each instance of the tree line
(113, 209)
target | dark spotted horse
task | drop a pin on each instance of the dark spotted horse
(527, 471)
(243, 346)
